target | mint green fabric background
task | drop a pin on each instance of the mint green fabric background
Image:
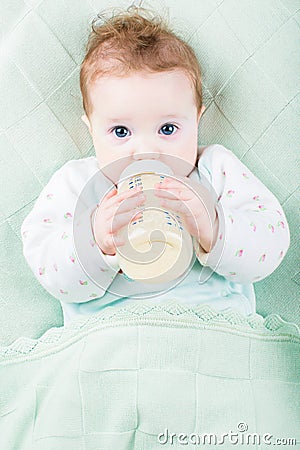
(250, 61)
(116, 380)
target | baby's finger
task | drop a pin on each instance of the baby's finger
(117, 241)
(129, 193)
(171, 182)
(106, 200)
(173, 194)
(174, 183)
(109, 195)
(117, 199)
(129, 204)
(121, 220)
(176, 206)
(111, 242)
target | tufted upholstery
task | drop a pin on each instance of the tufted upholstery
(248, 53)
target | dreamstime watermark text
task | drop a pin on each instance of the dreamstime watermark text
(230, 437)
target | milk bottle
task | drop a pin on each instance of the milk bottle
(157, 247)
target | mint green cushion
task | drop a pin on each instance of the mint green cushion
(120, 378)
(250, 61)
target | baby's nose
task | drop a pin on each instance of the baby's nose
(145, 152)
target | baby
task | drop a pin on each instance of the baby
(142, 97)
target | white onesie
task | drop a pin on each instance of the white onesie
(253, 239)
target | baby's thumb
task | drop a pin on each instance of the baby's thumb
(112, 243)
(118, 241)
(111, 194)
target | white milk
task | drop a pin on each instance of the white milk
(158, 249)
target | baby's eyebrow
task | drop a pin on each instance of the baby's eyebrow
(174, 116)
(119, 119)
(128, 119)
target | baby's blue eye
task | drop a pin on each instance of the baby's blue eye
(121, 131)
(168, 129)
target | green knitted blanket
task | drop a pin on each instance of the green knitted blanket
(152, 377)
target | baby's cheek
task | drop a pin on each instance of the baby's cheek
(182, 161)
(188, 152)
(113, 165)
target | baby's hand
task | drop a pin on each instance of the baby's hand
(113, 213)
(196, 206)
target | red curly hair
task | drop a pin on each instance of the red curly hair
(135, 40)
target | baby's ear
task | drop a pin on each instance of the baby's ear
(85, 119)
(201, 112)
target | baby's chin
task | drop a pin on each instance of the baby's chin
(114, 169)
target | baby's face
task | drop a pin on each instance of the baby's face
(144, 116)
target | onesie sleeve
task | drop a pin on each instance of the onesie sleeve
(253, 235)
(58, 242)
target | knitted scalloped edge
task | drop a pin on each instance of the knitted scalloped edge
(169, 314)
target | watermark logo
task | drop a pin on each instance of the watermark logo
(241, 437)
